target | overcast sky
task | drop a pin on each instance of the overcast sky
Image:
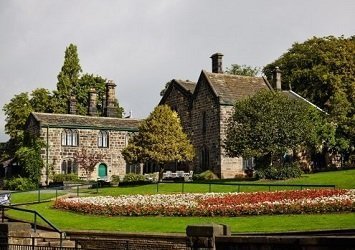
(142, 44)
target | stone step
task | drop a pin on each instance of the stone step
(51, 239)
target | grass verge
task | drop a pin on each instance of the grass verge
(247, 224)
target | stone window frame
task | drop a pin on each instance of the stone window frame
(70, 137)
(68, 166)
(103, 139)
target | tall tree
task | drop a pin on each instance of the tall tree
(243, 70)
(271, 124)
(323, 71)
(68, 79)
(160, 140)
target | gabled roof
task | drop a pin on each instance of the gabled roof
(231, 88)
(186, 87)
(80, 121)
(293, 95)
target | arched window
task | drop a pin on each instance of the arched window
(102, 140)
(68, 166)
(204, 158)
(70, 137)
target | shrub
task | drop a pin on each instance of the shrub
(287, 171)
(206, 175)
(133, 179)
(65, 177)
(115, 179)
(20, 184)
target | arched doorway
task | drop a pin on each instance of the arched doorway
(102, 171)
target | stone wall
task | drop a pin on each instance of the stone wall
(230, 166)
(88, 139)
(181, 104)
(205, 102)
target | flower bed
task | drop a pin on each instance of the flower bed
(215, 204)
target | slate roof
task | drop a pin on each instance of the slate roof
(187, 85)
(231, 88)
(293, 95)
(80, 121)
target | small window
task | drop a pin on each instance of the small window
(70, 137)
(102, 140)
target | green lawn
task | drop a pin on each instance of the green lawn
(276, 223)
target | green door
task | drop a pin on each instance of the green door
(102, 171)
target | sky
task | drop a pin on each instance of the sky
(141, 44)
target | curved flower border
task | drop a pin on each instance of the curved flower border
(215, 204)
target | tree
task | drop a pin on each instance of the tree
(160, 140)
(87, 160)
(323, 71)
(17, 112)
(243, 70)
(68, 78)
(272, 124)
(29, 158)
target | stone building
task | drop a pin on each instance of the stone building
(65, 134)
(205, 107)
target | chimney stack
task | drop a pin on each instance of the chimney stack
(92, 109)
(217, 63)
(277, 78)
(110, 109)
(72, 105)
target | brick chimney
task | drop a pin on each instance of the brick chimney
(72, 105)
(217, 63)
(277, 78)
(110, 109)
(92, 109)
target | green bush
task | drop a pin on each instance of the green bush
(115, 179)
(204, 176)
(287, 171)
(133, 179)
(20, 184)
(65, 177)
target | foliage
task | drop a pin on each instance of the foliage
(67, 79)
(29, 158)
(87, 160)
(115, 179)
(160, 139)
(204, 176)
(243, 70)
(72, 83)
(270, 123)
(279, 172)
(132, 178)
(65, 177)
(20, 184)
(323, 71)
(16, 112)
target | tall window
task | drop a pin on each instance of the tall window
(204, 125)
(102, 140)
(68, 167)
(70, 137)
(204, 158)
(248, 163)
